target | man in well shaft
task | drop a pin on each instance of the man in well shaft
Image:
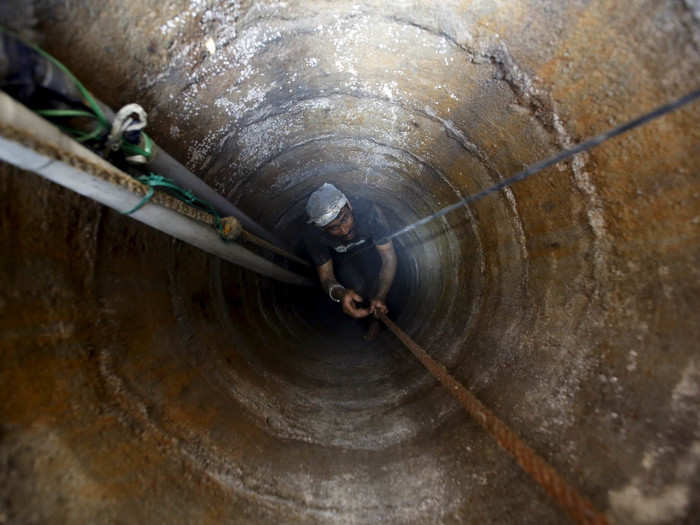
(336, 243)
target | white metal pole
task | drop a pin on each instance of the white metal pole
(16, 119)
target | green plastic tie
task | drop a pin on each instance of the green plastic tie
(103, 125)
(153, 180)
(134, 149)
(148, 196)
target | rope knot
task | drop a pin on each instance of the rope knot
(130, 119)
(230, 228)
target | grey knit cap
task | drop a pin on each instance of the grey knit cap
(325, 204)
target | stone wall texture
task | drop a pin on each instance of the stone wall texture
(142, 381)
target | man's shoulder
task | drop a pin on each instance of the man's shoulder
(310, 233)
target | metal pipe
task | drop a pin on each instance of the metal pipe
(31, 143)
(163, 164)
(159, 160)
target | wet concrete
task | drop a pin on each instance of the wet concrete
(144, 381)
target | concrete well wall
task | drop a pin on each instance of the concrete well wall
(142, 381)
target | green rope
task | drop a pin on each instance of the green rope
(147, 198)
(80, 136)
(167, 185)
(103, 124)
(170, 187)
(64, 113)
(133, 149)
(98, 114)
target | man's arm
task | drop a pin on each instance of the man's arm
(338, 292)
(386, 277)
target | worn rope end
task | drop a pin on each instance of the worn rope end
(230, 228)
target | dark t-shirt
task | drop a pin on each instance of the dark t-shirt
(370, 227)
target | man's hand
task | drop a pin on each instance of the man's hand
(351, 297)
(377, 306)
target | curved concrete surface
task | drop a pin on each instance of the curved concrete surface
(143, 381)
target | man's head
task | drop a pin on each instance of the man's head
(329, 209)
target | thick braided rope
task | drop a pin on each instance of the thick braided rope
(105, 172)
(113, 175)
(578, 507)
